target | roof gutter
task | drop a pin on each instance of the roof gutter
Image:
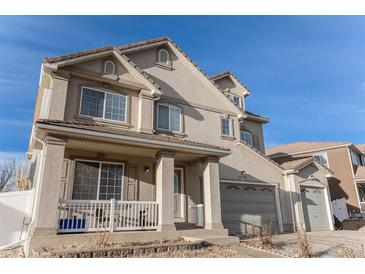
(221, 152)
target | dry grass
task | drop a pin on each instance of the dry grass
(207, 252)
(346, 251)
(304, 248)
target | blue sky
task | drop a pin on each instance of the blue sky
(307, 74)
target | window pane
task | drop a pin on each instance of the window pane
(175, 119)
(110, 182)
(248, 138)
(164, 57)
(236, 101)
(225, 127)
(92, 103)
(163, 117)
(115, 107)
(86, 181)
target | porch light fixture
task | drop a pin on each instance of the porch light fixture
(147, 169)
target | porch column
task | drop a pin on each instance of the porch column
(165, 190)
(212, 197)
(48, 191)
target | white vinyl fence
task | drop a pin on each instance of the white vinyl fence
(15, 212)
(339, 209)
(197, 215)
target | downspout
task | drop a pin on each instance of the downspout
(286, 173)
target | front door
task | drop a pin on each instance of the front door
(179, 196)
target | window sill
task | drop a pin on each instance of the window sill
(103, 121)
(227, 137)
(170, 133)
(164, 66)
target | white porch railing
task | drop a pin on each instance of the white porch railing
(197, 214)
(91, 215)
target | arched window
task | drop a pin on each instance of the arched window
(109, 67)
(164, 56)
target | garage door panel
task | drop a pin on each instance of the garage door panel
(246, 209)
(314, 208)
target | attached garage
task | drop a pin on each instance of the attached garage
(247, 208)
(315, 211)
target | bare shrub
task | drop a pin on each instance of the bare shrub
(7, 174)
(102, 238)
(304, 248)
(264, 238)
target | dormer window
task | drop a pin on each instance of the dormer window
(109, 67)
(247, 137)
(164, 57)
(237, 100)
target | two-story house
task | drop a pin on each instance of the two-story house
(139, 141)
(344, 159)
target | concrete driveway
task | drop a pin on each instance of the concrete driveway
(326, 244)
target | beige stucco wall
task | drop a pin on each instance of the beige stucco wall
(72, 109)
(232, 84)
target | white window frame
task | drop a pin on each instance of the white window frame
(230, 127)
(247, 132)
(105, 92)
(105, 64)
(158, 115)
(324, 154)
(99, 176)
(168, 57)
(239, 100)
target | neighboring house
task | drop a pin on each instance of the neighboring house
(138, 138)
(345, 160)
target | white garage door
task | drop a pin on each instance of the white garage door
(314, 208)
(248, 208)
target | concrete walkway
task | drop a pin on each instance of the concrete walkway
(325, 244)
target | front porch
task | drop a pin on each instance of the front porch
(96, 184)
(361, 195)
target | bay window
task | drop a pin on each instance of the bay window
(169, 118)
(102, 104)
(97, 181)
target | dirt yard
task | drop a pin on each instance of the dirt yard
(205, 251)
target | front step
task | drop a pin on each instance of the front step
(215, 239)
(185, 226)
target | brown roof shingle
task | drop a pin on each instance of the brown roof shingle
(298, 147)
(93, 126)
(361, 147)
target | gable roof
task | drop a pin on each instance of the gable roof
(301, 147)
(299, 163)
(229, 74)
(361, 147)
(122, 50)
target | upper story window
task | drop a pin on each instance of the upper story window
(355, 158)
(102, 104)
(169, 118)
(237, 101)
(164, 57)
(247, 137)
(322, 158)
(109, 67)
(226, 127)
